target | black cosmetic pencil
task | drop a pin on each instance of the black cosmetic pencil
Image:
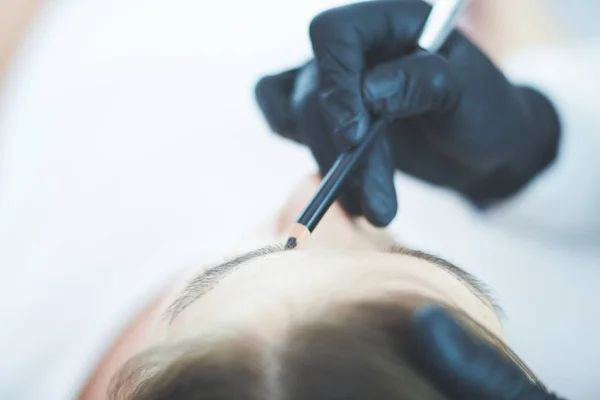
(438, 27)
(330, 187)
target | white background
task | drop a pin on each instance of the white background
(130, 145)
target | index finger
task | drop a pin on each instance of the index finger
(342, 40)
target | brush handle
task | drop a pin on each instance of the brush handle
(337, 175)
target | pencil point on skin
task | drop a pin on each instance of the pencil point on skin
(291, 243)
(296, 235)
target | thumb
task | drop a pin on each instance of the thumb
(274, 97)
(410, 86)
(465, 367)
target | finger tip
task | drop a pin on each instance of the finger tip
(428, 323)
(381, 216)
(425, 346)
(428, 313)
(379, 200)
(274, 104)
(354, 130)
(266, 87)
(440, 336)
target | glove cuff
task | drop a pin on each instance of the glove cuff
(538, 151)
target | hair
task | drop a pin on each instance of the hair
(351, 351)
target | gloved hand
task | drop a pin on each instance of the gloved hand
(465, 368)
(455, 120)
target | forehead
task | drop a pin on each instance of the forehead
(349, 273)
(270, 290)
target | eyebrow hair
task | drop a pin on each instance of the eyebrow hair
(204, 282)
(201, 284)
(476, 286)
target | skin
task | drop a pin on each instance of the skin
(502, 28)
(342, 261)
(15, 18)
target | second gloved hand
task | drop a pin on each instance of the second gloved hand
(464, 367)
(455, 120)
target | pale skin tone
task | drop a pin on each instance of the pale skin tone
(15, 17)
(342, 259)
(342, 262)
(502, 28)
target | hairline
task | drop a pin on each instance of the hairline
(140, 369)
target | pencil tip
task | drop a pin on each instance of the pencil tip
(291, 243)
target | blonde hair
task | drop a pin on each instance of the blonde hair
(351, 351)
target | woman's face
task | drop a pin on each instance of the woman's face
(266, 290)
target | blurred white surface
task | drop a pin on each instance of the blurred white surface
(130, 146)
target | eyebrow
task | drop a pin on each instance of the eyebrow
(476, 286)
(204, 282)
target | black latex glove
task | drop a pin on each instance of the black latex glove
(456, 121)
(464, 368)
